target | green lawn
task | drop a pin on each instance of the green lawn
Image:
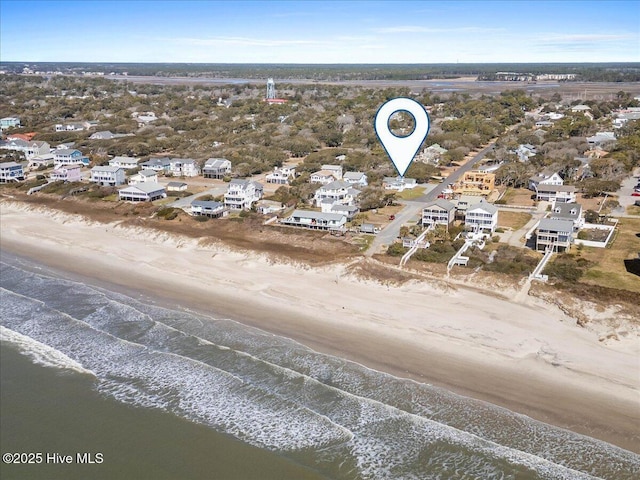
(411, 194)
(609, 268)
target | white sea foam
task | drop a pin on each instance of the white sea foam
(40, 353)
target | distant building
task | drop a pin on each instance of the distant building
(358, 179)
(399, 183)
(9, 122)
(157, 164)
(124, 162)
(281, 176)
(183, 167)
(144, 176)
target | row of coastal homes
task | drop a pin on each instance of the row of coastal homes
(481, 216)
(178, 167)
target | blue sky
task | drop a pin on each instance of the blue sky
(330, 31)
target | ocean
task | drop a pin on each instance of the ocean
(169, 393)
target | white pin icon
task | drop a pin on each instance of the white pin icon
(401, 150)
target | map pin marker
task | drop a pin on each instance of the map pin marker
(401, 150)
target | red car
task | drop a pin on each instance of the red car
(392, 217)
(635, 194)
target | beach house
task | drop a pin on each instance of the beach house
(144, 176)
(481, 217)
(69, 156)
(183, 167)
(108, 176)
(398, 183)
(357, 179)
(568, 211)
(556, 193)
(554, 234)
(11, 172)
(281, 176)
(208, 209)
(316, 220)
(545, 178)
(127, 163)
(9, 122)
(216, 168)
(143, 192)
(327, 174)
(156, 164)
(66, 173)
(438, 212)
(242, 193)
(338, 191)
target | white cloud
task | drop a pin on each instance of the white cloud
(245, 41)
(419, 29)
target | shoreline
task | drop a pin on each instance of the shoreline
(531, 359)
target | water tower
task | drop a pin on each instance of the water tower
(271, 89)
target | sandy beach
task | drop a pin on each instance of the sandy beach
(528, 357)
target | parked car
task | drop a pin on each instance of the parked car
(392, 217)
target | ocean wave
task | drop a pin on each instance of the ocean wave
(275, 393)
(40, 353)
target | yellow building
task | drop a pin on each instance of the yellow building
(475, 182)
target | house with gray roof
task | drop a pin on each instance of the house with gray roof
(208, 209)
(356, 178)
(545, 178)
(338, 191)
(11, 172)
(241, 194)
(554, 234)
(216, 168)
(124, 162)
(438, 212)
(556, 193)
(142, 192)
(157, 164)
(107, 176)
(316, 220)
(144, 176)
(183, 167)
(568, 211)
(482, 217)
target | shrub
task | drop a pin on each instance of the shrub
(168, 213)
(396, 250)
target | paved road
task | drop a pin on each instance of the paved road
(624, 194)
(413, 208)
